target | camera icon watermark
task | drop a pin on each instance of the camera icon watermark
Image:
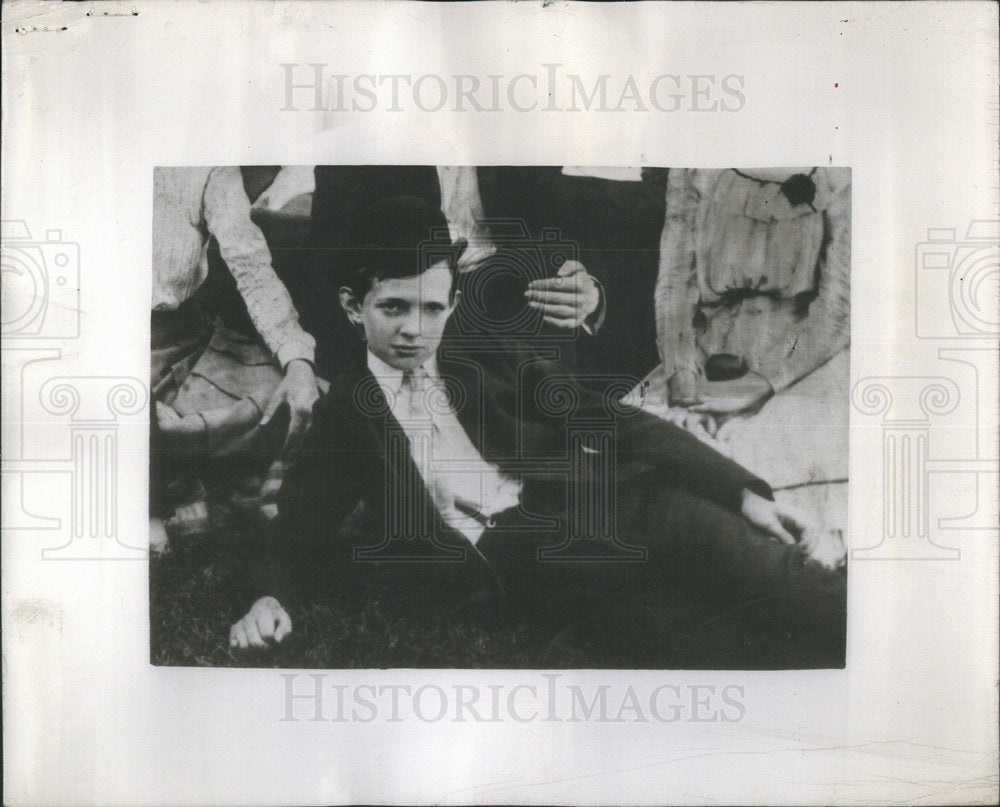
(61, 433)
(958, 283)
(41, 284)
(938, 431)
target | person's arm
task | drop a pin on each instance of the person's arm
(643, 441)
(677, 292)
(291, 181)
(686, 461)
(648, 444)
(226, 209)
(227, 215)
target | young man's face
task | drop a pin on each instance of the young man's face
(404, 318)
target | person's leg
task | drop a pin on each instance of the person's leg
(177, 338)
(552, 592)
(724, 562)
(721, 586)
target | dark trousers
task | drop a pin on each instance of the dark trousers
(702, 562)
(688, 584)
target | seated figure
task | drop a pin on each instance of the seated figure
(753, 317)
(480, 465)
(217, 385)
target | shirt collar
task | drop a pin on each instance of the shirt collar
(390, 378)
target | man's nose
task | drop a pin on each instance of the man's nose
(410, 327)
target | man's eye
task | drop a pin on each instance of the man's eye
(391, 308)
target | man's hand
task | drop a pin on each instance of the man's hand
(792, 526)
(567, 299)
(825, 547)
(265, 625)
(781, 521)
(299, 390)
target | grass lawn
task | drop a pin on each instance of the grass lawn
(196, 594)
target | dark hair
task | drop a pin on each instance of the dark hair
(403, 236)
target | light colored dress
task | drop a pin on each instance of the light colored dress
(745, 272)
(759, 268)
(213, 383)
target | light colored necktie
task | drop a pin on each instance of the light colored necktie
(412, 390)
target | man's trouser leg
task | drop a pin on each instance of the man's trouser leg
(725, 562)
(711, 555)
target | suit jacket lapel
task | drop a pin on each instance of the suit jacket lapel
(463, 379)
(403, 475)
(364, 396)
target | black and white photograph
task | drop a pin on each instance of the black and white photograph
(541, 402)
(500, 416)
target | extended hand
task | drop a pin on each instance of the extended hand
(298, 389)
(265, 625)
(781, 521)
(825, 547)
(567, 299)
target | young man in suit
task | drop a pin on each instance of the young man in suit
(478, 460)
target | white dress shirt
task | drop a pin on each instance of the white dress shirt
(467, 490)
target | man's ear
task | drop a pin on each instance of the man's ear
(456, 299)
(349, 302)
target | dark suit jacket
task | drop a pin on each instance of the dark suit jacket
(519, 410)
(614, 229)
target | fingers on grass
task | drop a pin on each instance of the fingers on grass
(238, 636)
(265, 626)
(253, 635)
(284, 625)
